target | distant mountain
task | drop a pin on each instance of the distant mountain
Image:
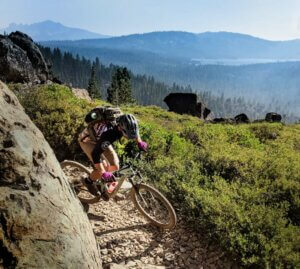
(49, 30)
(209, 45)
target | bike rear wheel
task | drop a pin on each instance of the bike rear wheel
(154, 206)
(75, 173)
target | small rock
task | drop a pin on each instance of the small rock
(142, 239)
(154, 244)
(115, 266)
(169, 256)
(182, 249)
(108, 259)
(130, 263)
(104, 251)
(127, 253)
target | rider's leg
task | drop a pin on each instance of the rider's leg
(112, 158)
(97, 172)
(109, 164)
(87, 146)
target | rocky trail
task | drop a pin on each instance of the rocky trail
(127, 240)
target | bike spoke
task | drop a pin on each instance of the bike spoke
(153, 206)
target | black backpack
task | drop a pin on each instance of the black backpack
(103, 114)
(98, 114)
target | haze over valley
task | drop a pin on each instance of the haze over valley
(223, 63)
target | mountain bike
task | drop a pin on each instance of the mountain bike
(151, 203)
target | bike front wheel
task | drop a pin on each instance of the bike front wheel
(154, 206)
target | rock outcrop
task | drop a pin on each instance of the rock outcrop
(82, 94)
(21, 60)
(42, 223)
(187, 103)
(242, 118)
(273, 117)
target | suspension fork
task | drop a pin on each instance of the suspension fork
(136, 187)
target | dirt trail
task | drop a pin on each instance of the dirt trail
(127, 241)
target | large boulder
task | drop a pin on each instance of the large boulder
(42, 223)
(273, 117)
(187, 103)
(241, 118)
(21, 60)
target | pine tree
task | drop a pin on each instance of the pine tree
(93, 85)
(120, 91)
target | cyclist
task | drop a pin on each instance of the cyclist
(101, 151)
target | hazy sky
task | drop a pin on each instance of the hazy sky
(270, 19)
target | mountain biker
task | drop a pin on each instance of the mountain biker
(101, 151)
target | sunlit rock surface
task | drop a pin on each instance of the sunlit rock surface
(42, 224)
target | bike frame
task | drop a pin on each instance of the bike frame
(128, 173)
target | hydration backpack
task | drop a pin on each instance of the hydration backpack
(103, 114)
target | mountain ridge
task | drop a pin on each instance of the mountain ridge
(208, 45)
(50, 30)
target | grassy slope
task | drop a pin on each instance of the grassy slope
(240, 183)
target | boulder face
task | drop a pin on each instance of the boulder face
(42, 223)
(187, 103)
(21, 60)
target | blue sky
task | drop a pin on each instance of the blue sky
(270, 19)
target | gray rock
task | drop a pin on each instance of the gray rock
(42, 224)
(116, 266)
(104, 251)
(130, 264)
(14, 63)
(242, 118)
(169, 256)
(21, 60)
(273, 117)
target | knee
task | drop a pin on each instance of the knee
(114, 167)
(96, 174)
(117, 166)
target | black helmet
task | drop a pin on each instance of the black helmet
(129, 125)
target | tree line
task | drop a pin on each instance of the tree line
(80, 72)
(115, 83)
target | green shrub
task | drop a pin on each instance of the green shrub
(240, 183)
(58, 114)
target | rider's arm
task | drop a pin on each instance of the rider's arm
(141, 144)
(138, 139)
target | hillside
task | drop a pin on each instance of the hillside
(210, 45)
(49, 30)
(239, 184)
